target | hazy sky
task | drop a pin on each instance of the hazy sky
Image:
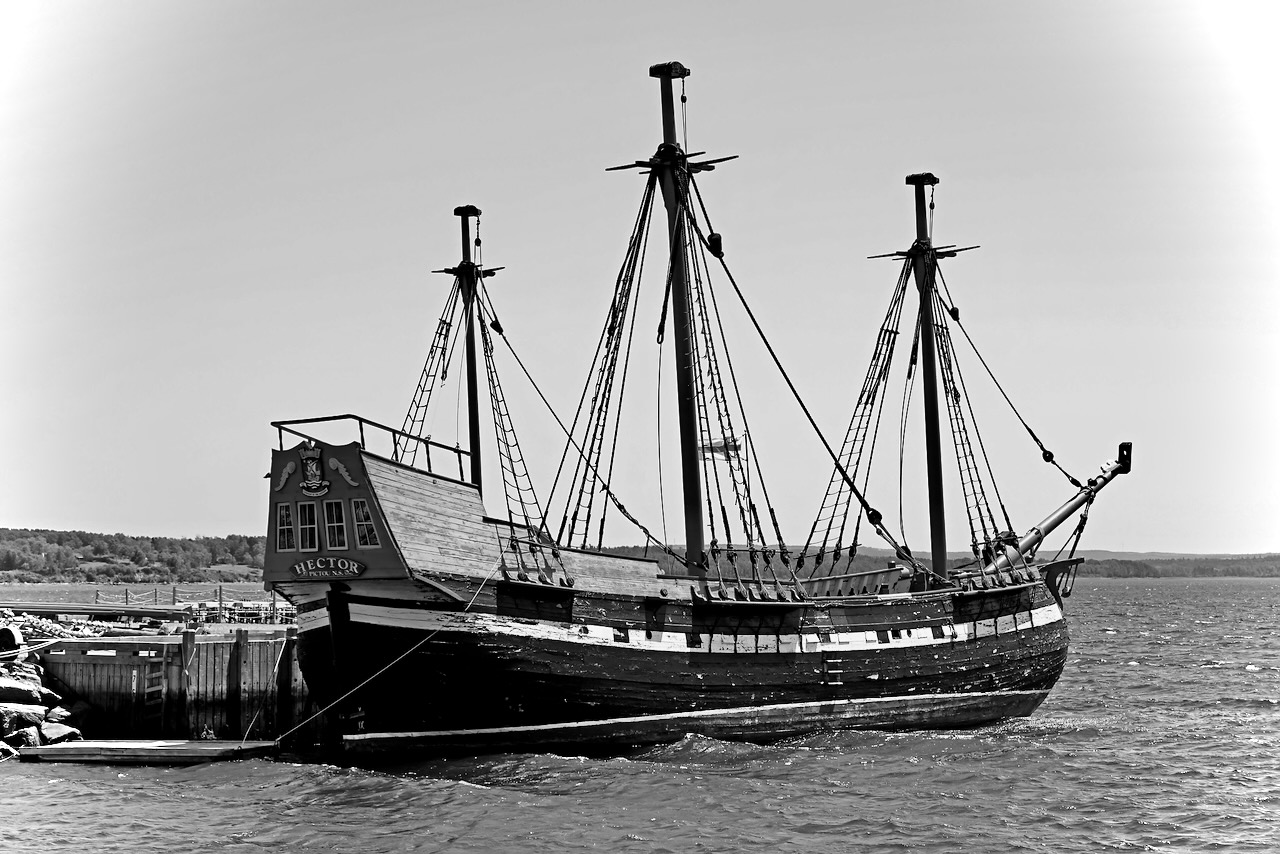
(217, 214)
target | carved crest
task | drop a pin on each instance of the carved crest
(313, 484)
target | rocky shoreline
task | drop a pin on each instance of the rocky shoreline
(31, 713)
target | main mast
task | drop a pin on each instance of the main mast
(670, 165)
(923, 264)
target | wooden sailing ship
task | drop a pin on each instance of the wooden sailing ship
(426, 622)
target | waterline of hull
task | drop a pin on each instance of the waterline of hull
(753, 723)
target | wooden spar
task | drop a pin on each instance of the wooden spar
(923, 264)
(1033, 538)
(468, 278)
(670, 165)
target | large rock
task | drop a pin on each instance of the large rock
(28, 737)
(23, 671)
(32, 673)
(6, 752)
(58, 715)
(77, 714)
(53, 733)
(16, 716)
(20, 691)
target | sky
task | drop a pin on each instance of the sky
(214, 215)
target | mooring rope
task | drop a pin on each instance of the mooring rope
(14, 653)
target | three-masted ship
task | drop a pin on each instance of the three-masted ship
(425, 622)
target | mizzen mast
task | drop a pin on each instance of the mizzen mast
(670, 164)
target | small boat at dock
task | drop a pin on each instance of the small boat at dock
(430, 620)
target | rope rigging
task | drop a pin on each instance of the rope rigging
(834, 513)
(518, 492)
(436, 369)
(741, 550)
(602, 412)
(1045, 453)
(873, 515)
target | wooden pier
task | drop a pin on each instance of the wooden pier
(245, 685)
(153, 752)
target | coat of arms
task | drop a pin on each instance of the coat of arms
(313, 484)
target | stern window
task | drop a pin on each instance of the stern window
(335, 525)
(366, 533)
(308, 535)
(285, 541)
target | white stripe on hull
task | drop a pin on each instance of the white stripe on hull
(309, 621)
(426, 620)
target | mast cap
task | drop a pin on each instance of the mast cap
(921, 179)
(466, 210)
(669, 70)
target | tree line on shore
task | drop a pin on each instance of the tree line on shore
(1234, 566)
(79, 556)
(1218, 566)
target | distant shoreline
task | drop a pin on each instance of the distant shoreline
(39, 556)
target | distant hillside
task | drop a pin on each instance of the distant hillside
(1226, 566)
(1097, 563)
(78, 556)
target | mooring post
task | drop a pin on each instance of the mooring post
(285, 700)
(243, 684)
(188, 661)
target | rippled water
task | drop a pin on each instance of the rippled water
(1163, 735)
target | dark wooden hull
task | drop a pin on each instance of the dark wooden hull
(448, 640)
(453, 680)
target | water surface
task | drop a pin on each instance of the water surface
(1162, 735)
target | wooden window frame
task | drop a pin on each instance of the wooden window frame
(356, 523)
(330, 526)
(286, 508)
(314, 526)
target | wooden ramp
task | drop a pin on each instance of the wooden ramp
(147, 752)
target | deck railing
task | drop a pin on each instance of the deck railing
(398, 441)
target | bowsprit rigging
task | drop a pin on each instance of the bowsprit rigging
(525, 634)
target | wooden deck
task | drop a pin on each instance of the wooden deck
(143, 752)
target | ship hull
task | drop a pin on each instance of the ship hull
(439, 630)
(400, 673)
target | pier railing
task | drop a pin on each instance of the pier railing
(382, 440)
(231, 686)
